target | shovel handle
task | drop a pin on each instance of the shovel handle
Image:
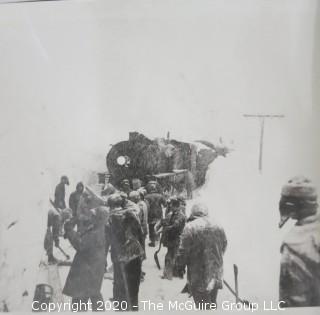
(235, 270)
(54, 206)
(155, 256)
(245, 302)
(64, 253)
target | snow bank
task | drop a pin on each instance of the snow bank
(21, 246)
(245, 204)
(245, 201)
(39, 148)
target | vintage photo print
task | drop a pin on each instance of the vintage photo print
(160, 156)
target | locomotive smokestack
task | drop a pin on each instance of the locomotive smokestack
(133, 136)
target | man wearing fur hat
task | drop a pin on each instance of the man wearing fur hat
(300, 250)
(203, 244)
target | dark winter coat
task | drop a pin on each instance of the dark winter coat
(124, 235)
(300, 264)
(201, 250)
(53, 222)
(172, 228)
(74, 202)
(86, 273)
(156, 202)
(53, 227)
(143, 216)
(59, 196)
(86, 203)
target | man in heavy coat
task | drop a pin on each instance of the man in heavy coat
(201, 250)
(55, 220)
(87, 201)
(135, 197)
(60, 193)
(156, 201)
(86, 273)
(173, 226)
(75, 198)
(300, 250)
(52, 234)
(125, 237)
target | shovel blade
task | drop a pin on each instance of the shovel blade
(185, 289)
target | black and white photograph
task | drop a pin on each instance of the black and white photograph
(160, 156)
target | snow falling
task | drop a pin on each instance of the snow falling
(78, 79)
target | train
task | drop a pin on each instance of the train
(178, 166)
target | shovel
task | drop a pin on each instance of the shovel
(155, 256)
(64, 253)
(245, 302)
(235, 271)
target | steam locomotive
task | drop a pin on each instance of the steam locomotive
(174, 164)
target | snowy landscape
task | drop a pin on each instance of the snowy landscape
(78, 79)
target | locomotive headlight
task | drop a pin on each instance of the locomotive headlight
(121, 160)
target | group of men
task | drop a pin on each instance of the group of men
(119, 220)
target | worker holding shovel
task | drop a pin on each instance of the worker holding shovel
(55, 218)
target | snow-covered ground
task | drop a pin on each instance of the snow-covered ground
(77, 76)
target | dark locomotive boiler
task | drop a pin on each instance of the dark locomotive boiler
(176, 165)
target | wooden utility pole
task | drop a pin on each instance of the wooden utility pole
(262, 119)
